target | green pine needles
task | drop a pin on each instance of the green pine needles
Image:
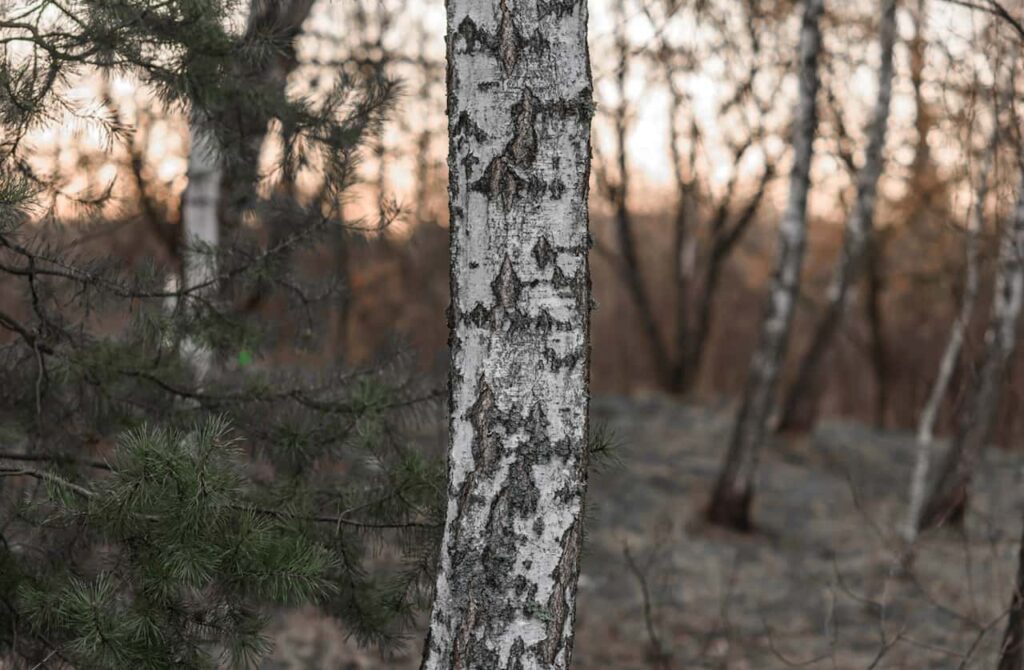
(152, 515)
(182, 560)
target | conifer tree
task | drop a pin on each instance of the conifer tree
(151, 512)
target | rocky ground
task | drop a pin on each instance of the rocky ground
(816, 586)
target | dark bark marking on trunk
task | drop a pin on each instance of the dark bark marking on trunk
(558, 607)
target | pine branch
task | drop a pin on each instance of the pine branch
(48, 477)
(337, 520)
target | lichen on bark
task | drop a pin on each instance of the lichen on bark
(519, 109)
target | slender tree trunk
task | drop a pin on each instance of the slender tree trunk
(1012, 655)
(951, 354)
(927, 192)
(200, 231)
(947, 500)
(681, 272)
(683, 243)
(343, 305)
(800, 408)
(730, 503)
(280, 22)
(422, 206)
(879, 352)
(153, 214)
(519, 109)
(632, 273)
(723, 241)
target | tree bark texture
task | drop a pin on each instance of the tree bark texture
(730, 503)
(800, 408)
(200, 230)
(519, 110)
(947, 499)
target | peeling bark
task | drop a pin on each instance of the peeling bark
(951, 354)
(800, 408)
(519, 109)
(730, 503)
(947, 499)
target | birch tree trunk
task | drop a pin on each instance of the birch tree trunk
(213, 181)
(683, 240)
(878, 350)
(950, 356)
(730, 503)
(519, 109)
(200, 231)
(723, 241)
(947, 500)
(800, 408)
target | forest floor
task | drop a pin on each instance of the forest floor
(818, 585)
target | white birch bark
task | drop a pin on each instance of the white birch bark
(948, 497)
(800, 407)
(519, 108)
(730, 504)
(951, 354)
(201, 232)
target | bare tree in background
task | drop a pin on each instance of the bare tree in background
(280, 23)
(428, 72)
(152, 204)
(800, 406)
(731, 500)
(519, 109)
(706, 227)
(954, 345)
(875, 261)
(947, 500)
(221, 185)
(617, 193)
(200, 229)
(727, 222)
(926, 183)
